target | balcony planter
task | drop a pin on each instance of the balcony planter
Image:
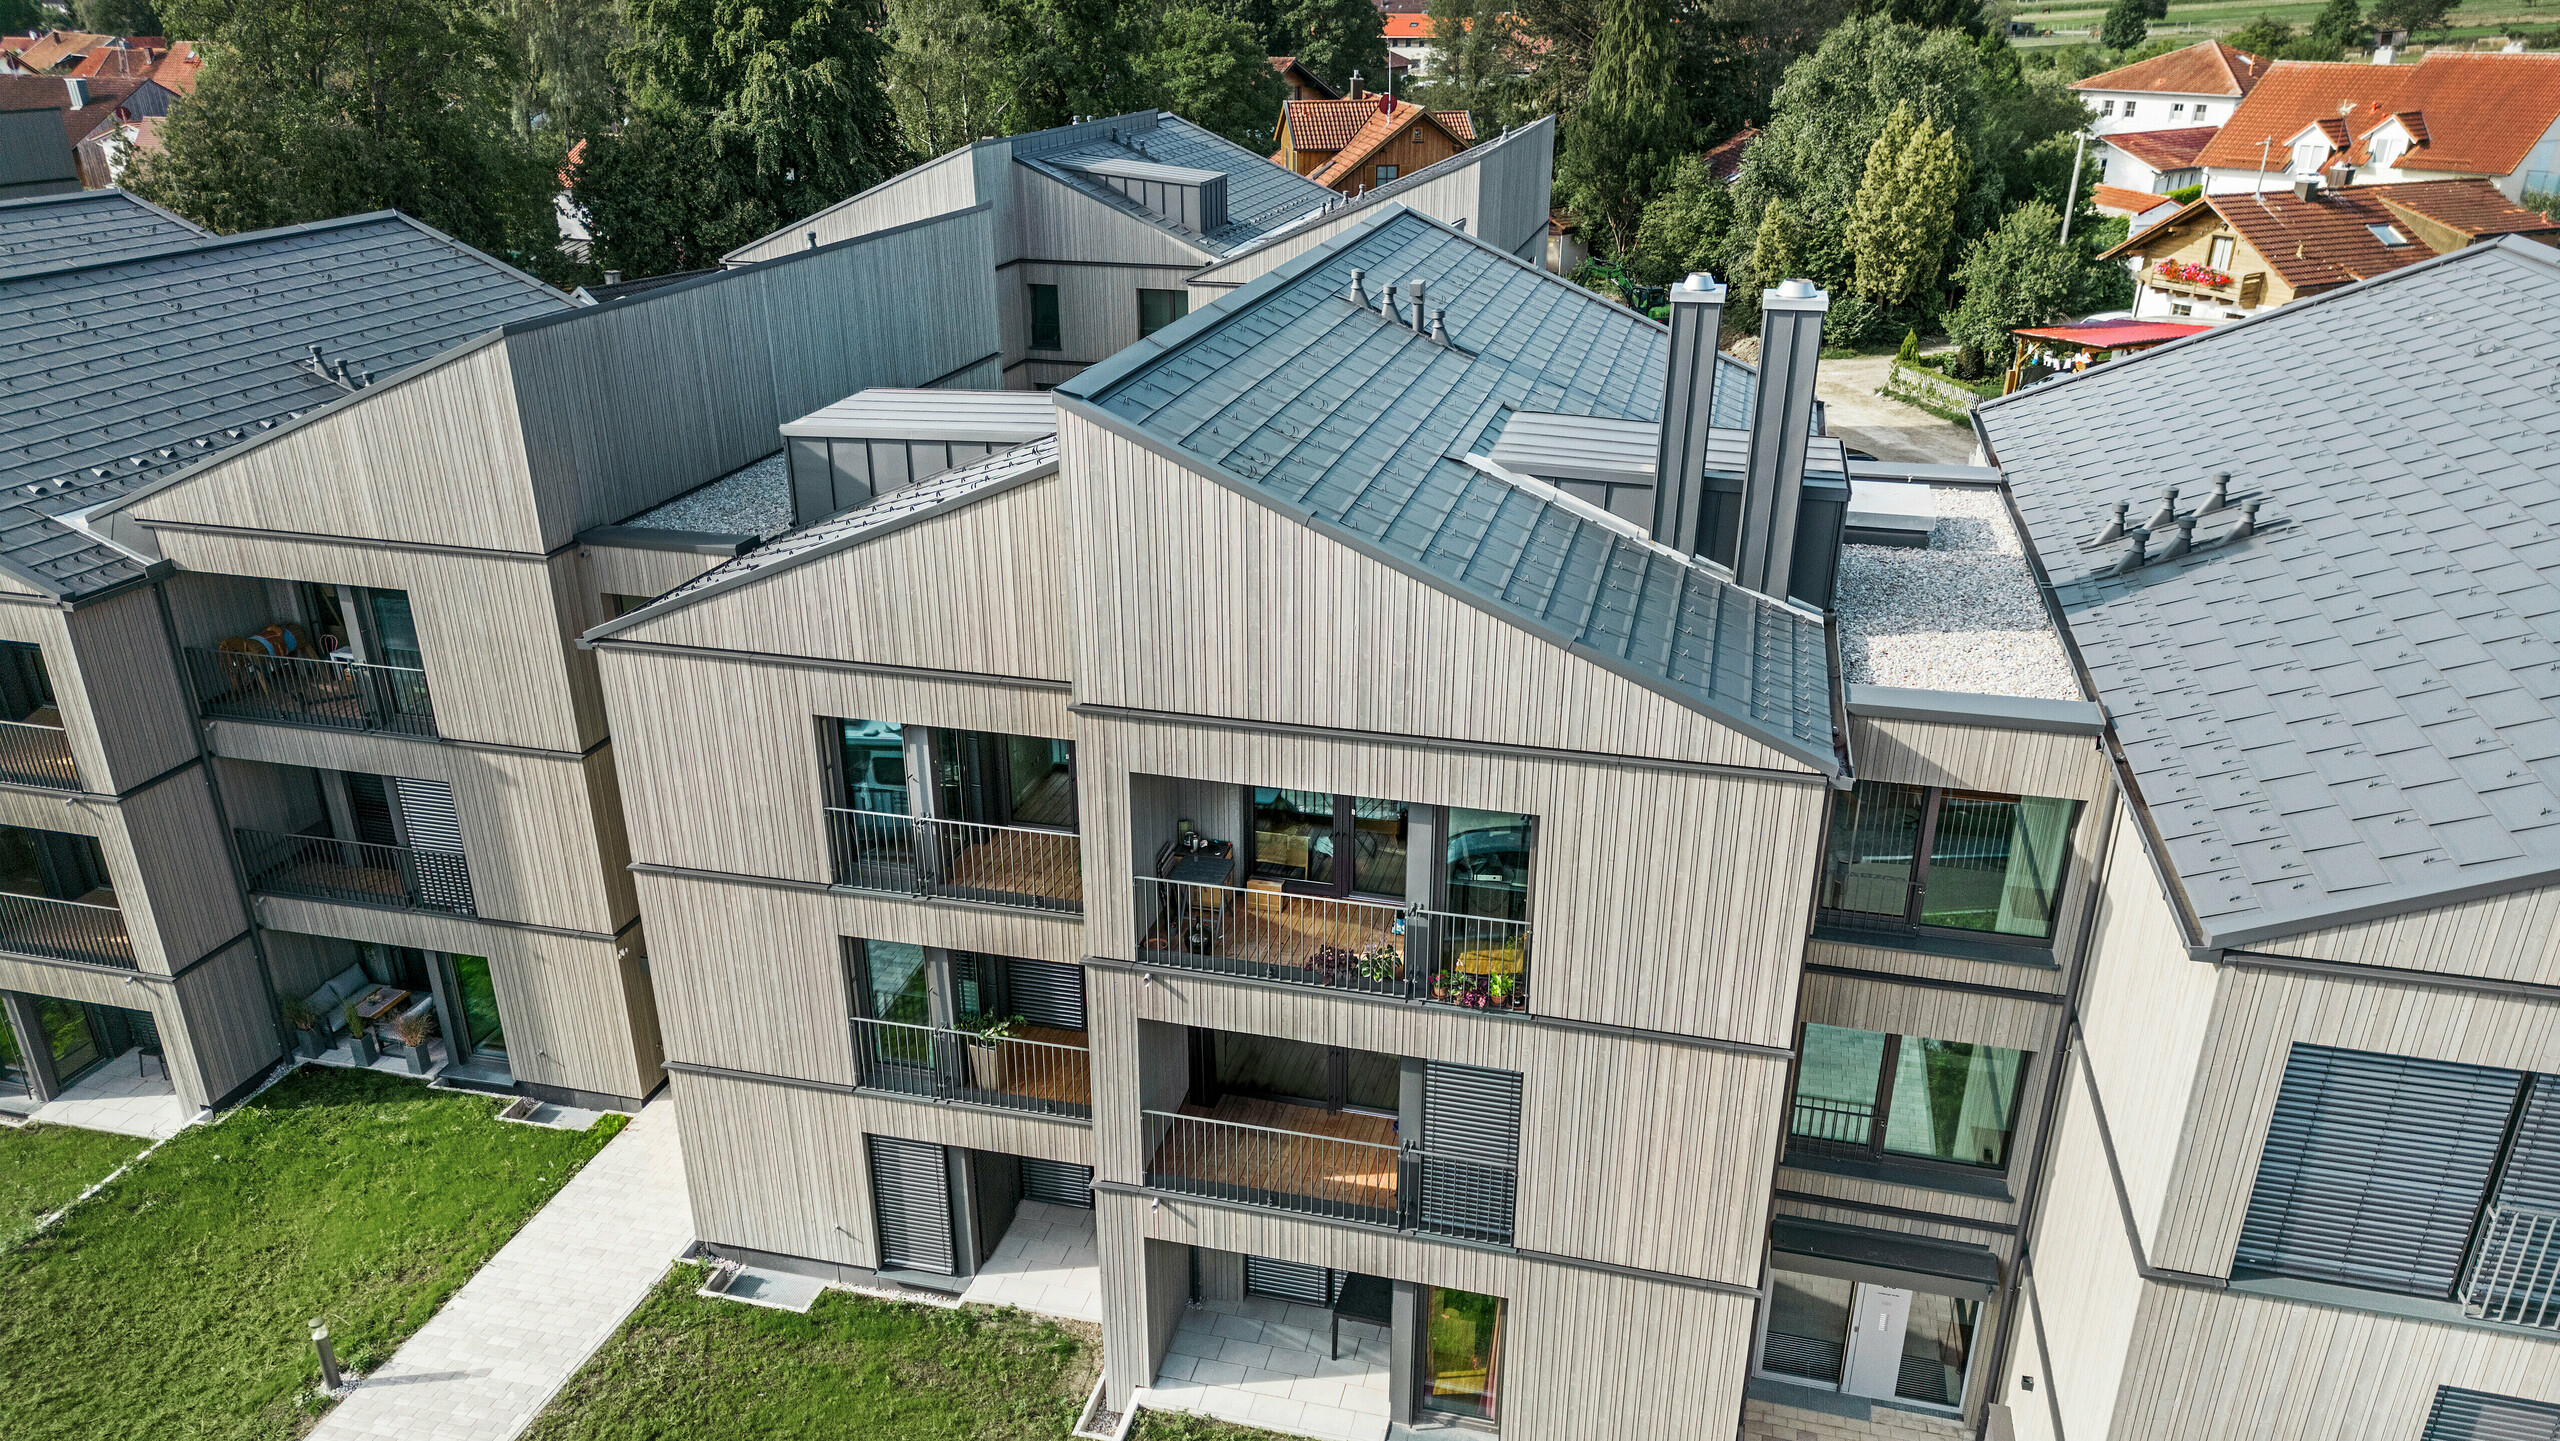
(414, 1030)
(986, 1056)
(305, 1024)
(359, 1039)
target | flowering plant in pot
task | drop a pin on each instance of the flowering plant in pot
(414, 1031)
(358, 1036)
(1380, 961)
(305, 1023)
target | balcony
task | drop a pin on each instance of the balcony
(2515, 1269)
(1368, 947)
(341, 695)
(1356, 1172)
(34, 754)
(1040, 870)
(87, 931)
(1045, 1070)
(409, 878)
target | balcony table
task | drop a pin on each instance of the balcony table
(378, 1001)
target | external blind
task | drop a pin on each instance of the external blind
(435, 841)
(1060, 1183)
(1471, 1146)
(1046, 993)
(911, 1195)
(2461, 1415)
(1291, 1280)
(2532, 1176)
(2375, 1169)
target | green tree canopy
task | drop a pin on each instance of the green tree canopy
(2123, 27)
(2261, 37)
(1209, 68)
(2412, 15)
(2339, 24)
(1066, 58)
(1905, 208)
(945, 72)
(563, 86)
(113, 17)
(1775, 255)
(17, 17)
(1688, 227)
(2022, 274)
(1627, 139)
(1333, 38)
(1474, 61)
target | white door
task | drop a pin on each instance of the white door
(1877, 1317)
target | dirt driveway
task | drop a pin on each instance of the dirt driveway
(1885, 429)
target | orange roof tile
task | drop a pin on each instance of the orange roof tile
(1458, 123)
(2163, 149)
(2474, 114)
(2117, 200)
(1319, 126)
(1724, 161)
(2207, 67)
(56, 46)
(117, 61)
(1383, 125)
(2295, 94)
(2324, 242)
(1409, 27)
(176, 72)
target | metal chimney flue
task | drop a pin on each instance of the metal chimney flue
(1781, 434)
(1688, 402)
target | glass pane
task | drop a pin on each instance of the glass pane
(1044, 317)
(394, 628)
(26, 694)
(1808, 1326)
(1836, 1086)
(1489, 863)
(1875, 831)
(875, 766)
(1995, 863)
(1275, 1066)
(478, 997)
(1043, 778)
(13, 1063)
(1462, 1371)
(1160, 308)
(1935, 1343)
(1378, 846)
(53, 863)
(1293, 835)
(899, 983)
(1953, 1101)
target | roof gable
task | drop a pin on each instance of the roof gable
(1261, 196)
(2208, 67)
(2465, 114)
(1381, 130)
(2163, 149)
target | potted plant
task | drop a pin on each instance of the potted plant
(1380, 962)
(359, 1038)
(986, 1058)
(414, 1029)
(305, 1023)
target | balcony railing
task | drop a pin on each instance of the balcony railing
(2515, 1271)
(1375, 948)
(65, 930)
(957, 860)
(318, 868)
(1406, 1188)
(342, 695)
(37, 755)
(1017, 1073)
(1826, 1123)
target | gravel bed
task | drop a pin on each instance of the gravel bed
(752, 500)
(1961, 615)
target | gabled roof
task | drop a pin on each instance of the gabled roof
(1288, 393)
(2356, 712)
(1382, 127)
(149, 363)
(1459, 124)
(2478, 114)
(2207, 67)
(2327, 241)
(48, 92)
(1288, 68)
(2121, 201)
(1261, 196)
(2163, 149)
(48, 231)
(1724, 159)
(1323, 126)
(33, 152)
(1340, 207)
(56, 46)
(178, 68)
(1413, 26)
(118, 62)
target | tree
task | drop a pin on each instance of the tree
(2261, 37)
(115, 17)
(2339, 24)
(2022, 274)
(1626, 140)
(18, 17)
(2412, 15)
(1905, 208)
(945, 73)
(312, 109)
(1333, 38)
(564, 85)
(1210, 69)
(1066, 58)
(1774, 254)
(2123, 28)
(1687, 227)
(1473, 60)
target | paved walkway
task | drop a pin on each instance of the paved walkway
(120, 1097)
(1046, 1263)
(1267, 1363)
(483, 1367)
(1769, 1421)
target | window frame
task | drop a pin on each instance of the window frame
(1180, 304)
(1933, 799)
(1345, 854)
(1056, 336)
(1801, 1149)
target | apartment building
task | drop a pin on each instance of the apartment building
(2300, 1181)
(1296, 813)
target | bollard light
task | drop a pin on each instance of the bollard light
(330, 1380)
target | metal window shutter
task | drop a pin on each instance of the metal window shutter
(2461, 1415)
(435, 842)
(911, 1193)
(2532, 1177)
(1062, 1183)
(1471, 1115)
(1291, 1280)
(2375, 1169)
(1046, 993)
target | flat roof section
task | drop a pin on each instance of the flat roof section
(1960, 614)
(993, 417)
(751, 500)
(1146, 170)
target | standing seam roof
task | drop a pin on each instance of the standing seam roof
(1261, 196)
(53, 229)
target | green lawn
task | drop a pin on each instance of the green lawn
(43, 1167)
(173, 1304)
(1171, 1426)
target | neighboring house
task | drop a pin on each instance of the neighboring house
(1100, 226)
(1303, 83)
(1566, 249)
(2302, 1168)
(1409, 40)
(85, 110)
(2109, 200)
(1298, 759)
(1724, 159)
(110, 148)
(177, 68)
(2221, 257)
(121, 61)
(2155, 161)
(2181, 90)
(36, 158)
(1365, 141)
(56, 51)
(2450, 116)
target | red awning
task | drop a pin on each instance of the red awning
(2111, 334)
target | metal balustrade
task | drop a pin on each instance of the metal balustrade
(343, 695)
(1832, 1123)
(37, 755)
(1406, 1188)
(2515, 1269)
(957, 860)
(413, 878)
(1017, 1073)
(1376, 948)
(65, 930)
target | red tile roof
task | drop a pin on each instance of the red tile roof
(2324, 242)
(1724, 161)
(1383, 125)
(47, 92)
(1458, 123)
(1284, 64)
(1409, 27)
(55, 46)
(176, 72)
(2478, 114)
(2164, 149)
(1320, 126)
(118, 61)
(2207, 67)
(2117, 200)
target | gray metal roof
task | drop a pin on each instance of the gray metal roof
(55, 230)
(1261, 196)
(1389, 193)
(140, 368)
(2356, 711)
(1323, 411)
(34, 152)
(1007, 417)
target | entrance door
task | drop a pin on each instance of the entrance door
(475, 1003)
(14, 1075)
(1876, 1321)
(1869, 1340)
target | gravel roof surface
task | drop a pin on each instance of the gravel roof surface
(1961, 615)
(751, 500)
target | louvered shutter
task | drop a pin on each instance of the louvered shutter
(2375, 1169)
(2532, 1176)
(2461, 1415)
(1471, 1146)
(1061, 1183)
(911, 1194)
(435, 843)
(1046, 993)
(1290, 1280)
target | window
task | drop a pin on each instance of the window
(1160, 308)
(1462, 1354)
(2388, 235)
(1867, 1095)
(1388, 172)
(2177, 110)
(2107, 108)
(2128, 110)
(1044, 318)
(2217, 254)
(2182, 310)
(872, 758)
(1301, 837)
(2201, 112)
(1004, 780)
(2308, 156)
(1922, 856)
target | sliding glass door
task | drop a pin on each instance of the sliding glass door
(483, 1034)
(1462, 1354)
(1863, 1339)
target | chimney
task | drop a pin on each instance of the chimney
(2382, 55)
(1781, 433)
(613, 277)
(1356, 92)
(1688, 395)
(2340, 175)
(77, 89)
(2304, 186)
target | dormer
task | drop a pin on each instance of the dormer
(2396, 136)
(1196, 200)
(2312, 145)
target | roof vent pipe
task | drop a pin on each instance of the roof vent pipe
(1359, 293)
(1418, 327)
(1439, 327)
(2221, 497)
(613, 277)
(2115, 525)
(1688, 403)
(2131, 560)
(2304, 186)
(2167, 512)
(2248, 524)
(813, 240)
(1387, 305)
(2182, 542)
(1781, 433)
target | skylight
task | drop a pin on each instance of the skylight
(2388, 234)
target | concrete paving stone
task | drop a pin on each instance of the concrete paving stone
(1208, 1372)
